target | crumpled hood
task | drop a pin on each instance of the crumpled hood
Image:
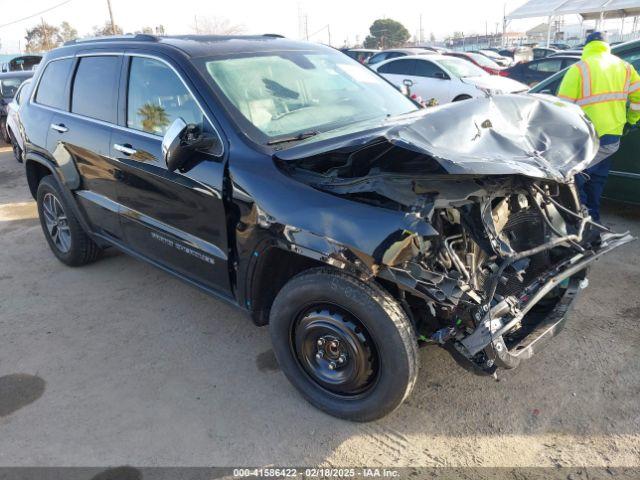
(537, 136)
(496, 82)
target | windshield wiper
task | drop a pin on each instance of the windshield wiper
(294, 138)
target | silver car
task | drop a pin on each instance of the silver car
(13, 127)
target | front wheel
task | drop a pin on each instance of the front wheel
(346, 345)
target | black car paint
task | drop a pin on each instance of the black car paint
(224, 223)
(135, 203)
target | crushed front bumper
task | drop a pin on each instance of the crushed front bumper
(490, 337)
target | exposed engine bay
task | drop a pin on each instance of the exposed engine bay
(508, 241)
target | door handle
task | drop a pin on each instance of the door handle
(126, 149)
(59, 127)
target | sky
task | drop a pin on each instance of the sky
(348, 20)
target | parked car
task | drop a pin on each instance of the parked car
(302, 187)
(623, 183)
(481, 61)
(575, 52)
(560, 46)
(9, 84)
(518, 54)
(396, 53)
(444, 78)
(22, 63)
(501, 60)
(537, 70)
(14, 126)
(360, 54)
(542, 52)
(435, 49)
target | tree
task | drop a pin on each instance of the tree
(145, 30)
(106, 30)
(386, 33)
(42, 37)
(68, 32)
(154, 117)
(216, 26)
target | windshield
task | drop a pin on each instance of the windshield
(286, 93)
(484, 61)
(462, 68)
(8, 86)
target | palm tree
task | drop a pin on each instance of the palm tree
(154, 118)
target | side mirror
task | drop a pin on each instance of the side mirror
(181, 141)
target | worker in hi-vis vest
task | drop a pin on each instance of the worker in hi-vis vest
(603, 85)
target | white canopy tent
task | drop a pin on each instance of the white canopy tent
(588, 9)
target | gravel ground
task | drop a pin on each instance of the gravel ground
(118, 363)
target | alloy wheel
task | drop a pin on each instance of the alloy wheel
(56, 222)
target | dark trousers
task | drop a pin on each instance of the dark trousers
(591, 181)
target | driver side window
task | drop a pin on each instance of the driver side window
(156, 97)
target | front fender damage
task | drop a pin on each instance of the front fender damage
(468, 212)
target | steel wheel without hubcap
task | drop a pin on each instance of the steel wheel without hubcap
(56, 222)
(335, 350)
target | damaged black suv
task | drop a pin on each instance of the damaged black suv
(292, 181)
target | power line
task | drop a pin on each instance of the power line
(35, 14)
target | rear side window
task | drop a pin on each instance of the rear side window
(398, 67)
(156, 97)
(548, 66)
(51, 90)
(95, 88)
(425, 68)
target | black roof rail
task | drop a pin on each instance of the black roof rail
(274, 35)
(141, 37)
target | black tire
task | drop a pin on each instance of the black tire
(459, 98)
(17, 151)
(3, 130)
(364, 308)
(80, 249)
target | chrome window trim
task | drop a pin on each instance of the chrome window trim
(113, 125)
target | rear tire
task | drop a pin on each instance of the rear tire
(3, 130)
(17, 151)
(66, 238)
(323, 317)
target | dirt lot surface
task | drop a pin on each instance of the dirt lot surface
(118, 363)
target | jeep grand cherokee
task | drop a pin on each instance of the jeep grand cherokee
(295, 183)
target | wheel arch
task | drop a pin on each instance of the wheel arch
(272, 268)
(36, 168)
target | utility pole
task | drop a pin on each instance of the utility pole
(421, 38)
(113, 25)
(45, 34)
(504, 24)
(195, 24)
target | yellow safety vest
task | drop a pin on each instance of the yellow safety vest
(602, 84)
